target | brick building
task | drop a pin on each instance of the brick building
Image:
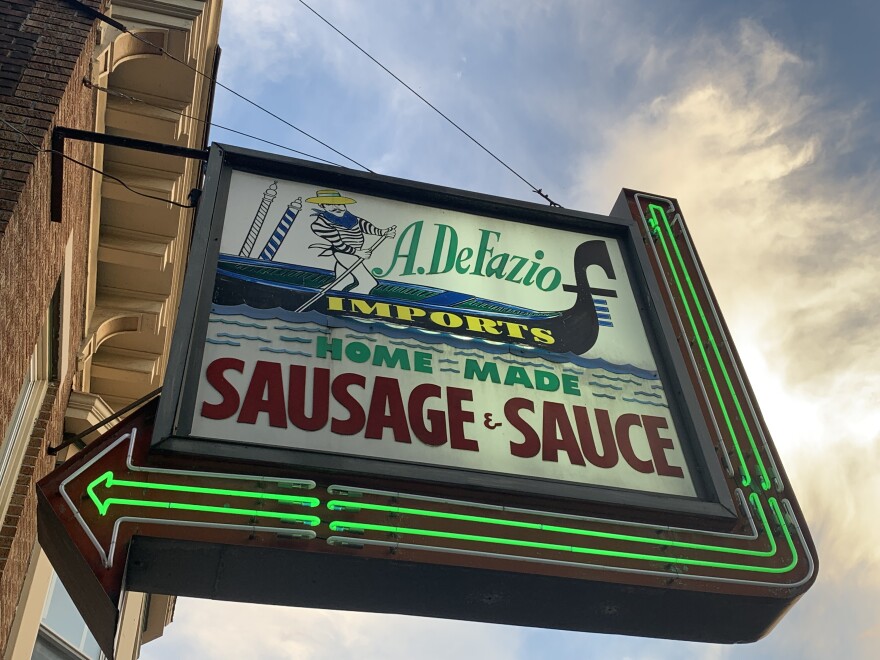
(88, 299)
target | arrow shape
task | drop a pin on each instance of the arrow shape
(109, 481)
(107, 490)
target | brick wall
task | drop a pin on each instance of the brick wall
(40, 42)
(45, 51)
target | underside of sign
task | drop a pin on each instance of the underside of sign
(463, 407)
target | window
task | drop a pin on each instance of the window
(63, 633)
(30, 399)
(42, 368)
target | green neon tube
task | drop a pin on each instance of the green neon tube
(655, 224)
(339, 505)
(107, 478)
(765, 478)
(343, 526)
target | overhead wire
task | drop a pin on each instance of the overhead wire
(134, 99)
(39, 149)
(122, 28)
(534, 188)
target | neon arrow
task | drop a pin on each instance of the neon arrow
(109, 481)
(172, 497)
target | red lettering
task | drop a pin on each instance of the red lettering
(296, 398)
(265, 394)
(230, 399)
(531, 444)
(458, 417)
(659, 446)
(356, 418)
(608, 459)
(555, 418)
(386, 411)
(435, 435)
(621, 430)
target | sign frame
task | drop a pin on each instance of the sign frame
(161, 511)
(713, 504)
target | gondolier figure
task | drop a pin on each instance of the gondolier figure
(345, 235)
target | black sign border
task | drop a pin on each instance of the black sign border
(713, 503)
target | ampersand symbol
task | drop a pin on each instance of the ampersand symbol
(488, 421)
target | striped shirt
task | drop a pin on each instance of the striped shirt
(341, 238)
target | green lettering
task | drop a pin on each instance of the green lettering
(517, 376)
(413, 233)
(496, 265)
(519, 262)
(439, 244)
(529, 278)
(382, 356)
(422, 362)
(462, 259)
(570, 384)
(546, 381)
(555, 278)
(334, 346)
(357, 352)
(484, 250)
(489, 370)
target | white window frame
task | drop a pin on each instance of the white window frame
(21, 424)
(67, 647)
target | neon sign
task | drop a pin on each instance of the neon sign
(516, 407)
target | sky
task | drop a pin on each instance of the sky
(761, 118)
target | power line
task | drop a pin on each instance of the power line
(134, 99)
(39, 149)
(432, 106)
(122, 28)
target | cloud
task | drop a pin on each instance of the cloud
(752, 152)
(214, 629)
(261, 38)
(789, 248)
(729, 122)
(277, 40)
(511, 74)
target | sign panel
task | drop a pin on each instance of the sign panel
(351, 324)
(379, 387)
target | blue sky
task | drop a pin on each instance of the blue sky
(763, 119)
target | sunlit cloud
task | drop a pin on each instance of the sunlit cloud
(790, 249)
(743, 146)
(728, 122)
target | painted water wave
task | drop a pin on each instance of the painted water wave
(429, 339)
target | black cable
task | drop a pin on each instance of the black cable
(96, 170)
(77, 439)
(122, 28)
(119, 26)
(112, 92)
(433, 107)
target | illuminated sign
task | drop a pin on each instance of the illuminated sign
(90, 507)
(536, 415)
(431, 336)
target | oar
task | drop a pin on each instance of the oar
(347, 272)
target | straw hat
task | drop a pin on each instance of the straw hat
(329, 197)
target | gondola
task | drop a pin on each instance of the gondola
(263, 284)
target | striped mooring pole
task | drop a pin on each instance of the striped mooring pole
(257, 223)
(277, 237)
